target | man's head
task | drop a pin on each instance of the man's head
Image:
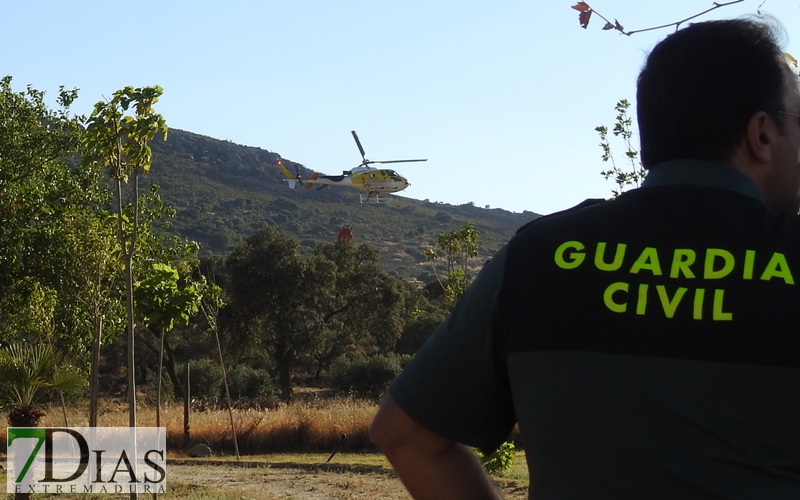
(713, 91)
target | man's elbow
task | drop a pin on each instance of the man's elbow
(380, 431)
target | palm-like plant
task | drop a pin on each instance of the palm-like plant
(25, 371)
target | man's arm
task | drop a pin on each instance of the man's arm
(430, 466)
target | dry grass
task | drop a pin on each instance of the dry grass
(289, 443)
(312, 424)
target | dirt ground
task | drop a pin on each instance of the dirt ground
(289, 483)
(212, 479)
(297, 481)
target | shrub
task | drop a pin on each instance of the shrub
(205, 378)
(246, 382)
(367, 376)
(500, 460)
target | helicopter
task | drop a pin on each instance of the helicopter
(371, 182)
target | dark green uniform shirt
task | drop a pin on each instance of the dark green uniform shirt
(646, 346)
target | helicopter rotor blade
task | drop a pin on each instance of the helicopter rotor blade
(360, 148)
(397, 161)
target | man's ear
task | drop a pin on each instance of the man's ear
(760, 136)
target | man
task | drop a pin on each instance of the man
(646, 346)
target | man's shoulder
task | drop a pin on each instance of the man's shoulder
(590, 202)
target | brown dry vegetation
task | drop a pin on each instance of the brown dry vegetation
(285, 452)
(306, 425)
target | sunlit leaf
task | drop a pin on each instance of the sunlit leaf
(581, 6)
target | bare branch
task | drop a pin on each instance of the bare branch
(618, 27)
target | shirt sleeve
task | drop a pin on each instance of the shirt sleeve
(455, 385)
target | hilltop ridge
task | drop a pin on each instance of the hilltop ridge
(223, 192)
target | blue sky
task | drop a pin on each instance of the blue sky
(501, 97)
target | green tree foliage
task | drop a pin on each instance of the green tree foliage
(365, 305)
(459, 247)
(46, 206)
(248, 383)
(276, 294)
(161, 301)
(118, 143)
(367, 376)
(161, 304)
(633, 173)
(26, 371)
(205, 376)
(422, 324)
(500, 460)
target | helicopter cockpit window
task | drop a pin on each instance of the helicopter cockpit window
(391, 173)
(383, 173)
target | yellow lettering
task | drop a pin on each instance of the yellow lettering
(668, 304)
(619, 254)
(642, 303)
(727, 265)
(681, 260)
(608, 297)
(648, 260)
(778, 268)
(749, 258)
(719, 315)
(698, 303)
(575, 259)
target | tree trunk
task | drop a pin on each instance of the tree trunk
(95, 376)
(127, 252)
(284, 366)
(27, 416)
(168, 362)
(169, 365)
(319, 368)
(158, 392)
(227, 393)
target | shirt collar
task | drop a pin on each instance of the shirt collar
(701, 173)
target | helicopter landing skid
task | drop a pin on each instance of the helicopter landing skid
(373, 197)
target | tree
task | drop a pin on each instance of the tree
(162, 304)
(118, 143)
(459, 247)
(45, 203)
(210, 304)
(275, 295)
(25, 371)
(98, 271)
(365, 304)
(634, 175)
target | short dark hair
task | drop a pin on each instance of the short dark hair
(700, 86)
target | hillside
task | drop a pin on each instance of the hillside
(223, 192)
